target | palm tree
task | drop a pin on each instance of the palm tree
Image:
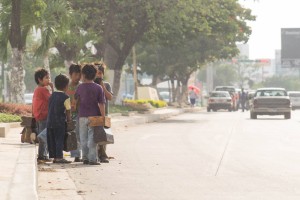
(54, 20)
(17, 19)
(61, 28)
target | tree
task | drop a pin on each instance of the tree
(62, 28)
(122, 24)
(205, 31)
(17, 19)
(225, 74)
(287, 82)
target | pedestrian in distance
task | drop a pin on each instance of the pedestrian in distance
(193, 97)
(59, 114)
(90, 100)
(243, 99)
(101, 67)
(40, 103)
(75, 76)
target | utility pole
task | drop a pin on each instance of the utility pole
(210, 77)
(2, 83)
(134, 68)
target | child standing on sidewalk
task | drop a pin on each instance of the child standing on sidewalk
(40, 102)
(75, 76)
(90, 100)
(59, 113)
(108, 95)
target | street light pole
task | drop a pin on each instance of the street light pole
(134, 68)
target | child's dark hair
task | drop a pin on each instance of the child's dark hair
(61, 82)
(100, 66)
(40, 73)
(89, 71)
(74, 68)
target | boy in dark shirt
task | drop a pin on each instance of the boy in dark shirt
(59, 111)
(108, 95)
(75, 76)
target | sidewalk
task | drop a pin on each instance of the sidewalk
(18, 179)
(18, 168)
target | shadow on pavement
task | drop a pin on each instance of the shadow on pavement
(171, 121)
(267, 119)
(53, 166)
(16, 144)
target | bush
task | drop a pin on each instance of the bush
(9, 118)
(16, 109)
(154, 103)
(120, 109)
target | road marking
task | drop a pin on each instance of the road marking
(233, 129)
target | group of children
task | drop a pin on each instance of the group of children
(72, 100)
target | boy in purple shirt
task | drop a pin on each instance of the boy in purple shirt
(91, 102)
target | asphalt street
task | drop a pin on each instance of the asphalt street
(209, 156)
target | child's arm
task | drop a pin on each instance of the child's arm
(67, 105)
(51, 86)
(102, 109)
(108, 94)
(68, 113)
(74, 105)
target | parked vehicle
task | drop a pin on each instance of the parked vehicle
(250, 96)
(233, 93)
(295, 99)
(28, 98)
(270, 101)
(165, 96)
(219, 100)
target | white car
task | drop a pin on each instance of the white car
(165, 96)
(28, 98)
(295, 99)
(219, 100)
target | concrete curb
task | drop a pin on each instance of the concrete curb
(5, 128)
(19, 177)
(24, 183)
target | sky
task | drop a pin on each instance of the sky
(271, 16)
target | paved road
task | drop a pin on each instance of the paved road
(209, 156)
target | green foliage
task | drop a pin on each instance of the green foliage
(193, 33)
(120, 109)
(154, 103)
(225, 74)
(6, 118)
(287, 82)
(179, 35)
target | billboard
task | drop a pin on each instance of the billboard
(290, 47)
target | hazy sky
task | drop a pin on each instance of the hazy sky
(272, 15)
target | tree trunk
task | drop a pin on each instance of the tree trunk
(116, 84)
(178, 93)
(67, 65)
(154, 81)
(15, 39)
(184, 92)
(173, 90)
(118, 66)
(67, 54)
(110, 57)
(47, 63)
(18, 86)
